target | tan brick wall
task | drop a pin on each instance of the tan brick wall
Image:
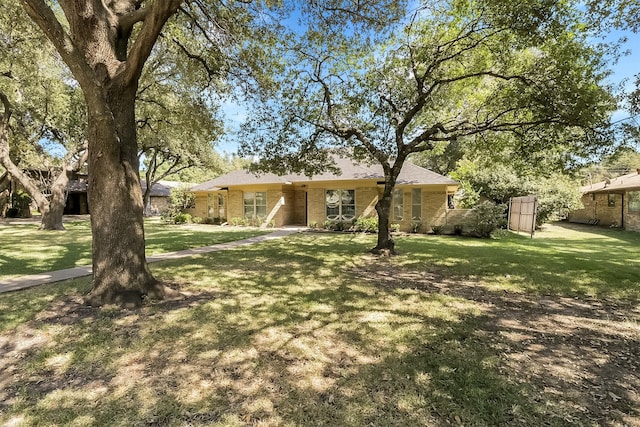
(201, 206)
(276, 203)
(596, 206)
(234, 206)
(366, 199)
(316, 206)
(631, 219)
(434, 209)
(299, 207)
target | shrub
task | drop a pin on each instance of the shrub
(366, 225)
(314, 225)
(487, 218)
(458, 229)
(182, 218)
(394, 228)
(416, 227)
(196, 220)
(437, 229)
(236, 221)
(336, 225)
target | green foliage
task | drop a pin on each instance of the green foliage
(394, 227)
(416, 227)
(487, 218)
(182, 218)
(337, 225)
(489, 180)
(237, 221)
(366, 225)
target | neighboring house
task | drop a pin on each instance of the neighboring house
(161, 194)
(421, 196)
(77, 201)
(614, 202)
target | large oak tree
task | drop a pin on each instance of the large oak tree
(454, 71)
(105, 44)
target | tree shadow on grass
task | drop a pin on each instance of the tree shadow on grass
(575, 354)
(313, 337)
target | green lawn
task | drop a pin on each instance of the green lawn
(26, 250)
(311, 330)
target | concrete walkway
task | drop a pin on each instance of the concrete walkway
(72, 273)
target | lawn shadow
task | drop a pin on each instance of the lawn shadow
(309, 331)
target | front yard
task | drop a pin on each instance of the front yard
(26, 250)
(311, 330)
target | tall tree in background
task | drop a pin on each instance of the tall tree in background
(456, 70)
(41, 108)
(177, 122)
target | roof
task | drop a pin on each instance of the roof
(350, 170)
(163, 188)
(630, 181)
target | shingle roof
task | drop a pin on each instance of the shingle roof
(630, 181)
(163, 188)
(410, 175)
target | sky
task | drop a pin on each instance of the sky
(623, 72)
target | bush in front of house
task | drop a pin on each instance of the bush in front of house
(487, 218)
(366, 225)
(182, 218)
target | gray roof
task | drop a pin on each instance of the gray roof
(410, 175)
(630, 181)
(163, 188)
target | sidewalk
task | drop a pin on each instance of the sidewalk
(72, 273)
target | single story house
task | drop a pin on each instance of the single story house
(421, 196)
(613, 202)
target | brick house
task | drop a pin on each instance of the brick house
(421, 196)
(614, 202)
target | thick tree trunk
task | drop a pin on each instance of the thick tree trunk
(120, 271)
(385, 242)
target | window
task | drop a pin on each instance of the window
(634, 201)
(611, 200)
(221, 213)
(398, 205)
(255, 205)
(416, 204)
(341, 205)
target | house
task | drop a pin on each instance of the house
(77, 202)
(421, 196)
(614, 202)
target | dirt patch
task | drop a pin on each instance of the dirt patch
(579, 355)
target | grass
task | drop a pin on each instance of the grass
(27, 250)
(311, 330)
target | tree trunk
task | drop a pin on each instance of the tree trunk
(120, 271)
(385, 244)
(146, 197)
(53, 212)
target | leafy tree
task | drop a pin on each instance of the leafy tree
(106, 45)
(454, 71)
(557, 192)
(176, 121)
(41, 108)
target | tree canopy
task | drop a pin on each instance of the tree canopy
(452, 71)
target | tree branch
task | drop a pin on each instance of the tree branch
(155, 19)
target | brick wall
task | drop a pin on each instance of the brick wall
(631, 219)
(596, 206)
(316, 205)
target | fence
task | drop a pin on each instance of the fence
(522, 214)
